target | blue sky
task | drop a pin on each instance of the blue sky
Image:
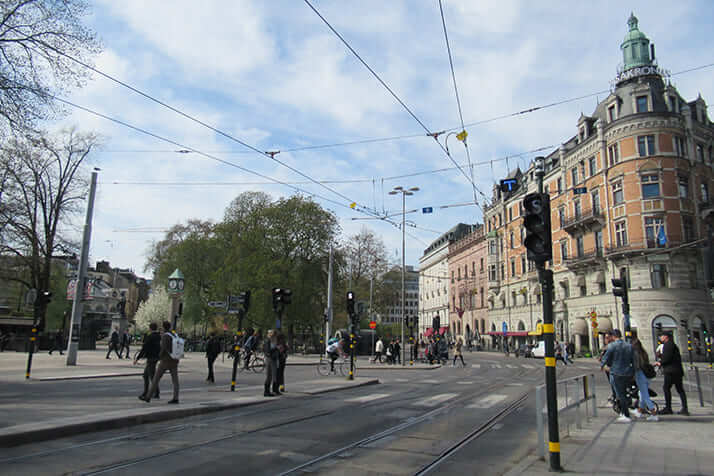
(272, 75)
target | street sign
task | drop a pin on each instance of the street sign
(580, 190)
(505, 328)
(216, 304)
(509, 185)
(427, 209)
(233, 311)
(372, 325)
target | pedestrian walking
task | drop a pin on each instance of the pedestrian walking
(282, 360)
(150, 350)
(566, 353)
(167, 361)
(213, 350)
(458, 352)
(114, 343)
(250, 343)
(619, 360)
(643, 372)
(270, 351)
(397, 352)
(390, 352)
(58, 343)
(125, 340)
(378, 349)
(671, 364)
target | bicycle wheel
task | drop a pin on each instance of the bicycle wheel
(323, 367)
(257, 365)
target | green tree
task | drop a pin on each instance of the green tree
(155, 309)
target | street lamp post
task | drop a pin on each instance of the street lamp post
(404, 192)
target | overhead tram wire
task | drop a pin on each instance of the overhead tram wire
(204, 154)
(364, 180)
(396, 97)
(407, 136)
(456, 93)
(267, 154)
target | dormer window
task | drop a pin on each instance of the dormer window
(641, 103)
(673, 103)
(611, 113)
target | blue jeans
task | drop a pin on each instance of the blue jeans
(620, 383)
(643, 385)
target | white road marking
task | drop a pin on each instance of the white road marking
(401, 380)
(429, 381)
(488, 402)
(514, 384)
(368, 398)
(511, 366)
(435, 400)
(476, 366)
(496, 366)
(526, 366)
(469, 382)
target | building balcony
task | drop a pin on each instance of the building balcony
(585, 259)
(583, 221)
(641, 247)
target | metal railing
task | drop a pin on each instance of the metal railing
(582, 392)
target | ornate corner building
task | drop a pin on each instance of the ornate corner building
(630, 196)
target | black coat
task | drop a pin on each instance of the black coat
(114, 338)
(671, 359)
(213, 348)
(151, 347)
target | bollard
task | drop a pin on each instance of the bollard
(699, 386)
(578, 423)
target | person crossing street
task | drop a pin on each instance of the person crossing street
(378, 349)
(166, 362)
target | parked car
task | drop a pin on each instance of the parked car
(524, 350)
(539, 350)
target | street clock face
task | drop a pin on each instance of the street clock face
(172, 283)
(180, 285)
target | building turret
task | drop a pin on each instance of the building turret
(635, 47)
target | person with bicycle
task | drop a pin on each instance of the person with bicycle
(249, 345)
(335, 349)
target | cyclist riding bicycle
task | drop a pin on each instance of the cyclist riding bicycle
(334, 350)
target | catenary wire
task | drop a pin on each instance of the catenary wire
(396, 97)
(270, 155)
(456, 93)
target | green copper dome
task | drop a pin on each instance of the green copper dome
(635, 47)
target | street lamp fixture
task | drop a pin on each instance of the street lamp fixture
(405, 193)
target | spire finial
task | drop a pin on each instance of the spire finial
(632, 21)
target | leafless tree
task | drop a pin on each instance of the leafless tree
(38, 38)
(43, 187)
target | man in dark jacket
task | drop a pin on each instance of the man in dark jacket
(166, 362)
(213, 349)
(150, 351)
(58, 343)
(671, 363)
(114, 343)
(124, 344)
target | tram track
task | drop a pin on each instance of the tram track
(498, 383)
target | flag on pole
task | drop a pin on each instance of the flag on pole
(661, 237)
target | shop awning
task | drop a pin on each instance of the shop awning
(510, 333)
(430, 331)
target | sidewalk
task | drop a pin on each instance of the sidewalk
(675, 445)
(66, 410)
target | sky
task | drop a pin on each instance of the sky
(272, 75)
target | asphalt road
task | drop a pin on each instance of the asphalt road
(397, 427)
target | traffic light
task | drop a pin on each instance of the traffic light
(538, 240)
(244, 299)
(436, 323)
(350, 303)
(287, 296)
(619, 288)
(277, 298)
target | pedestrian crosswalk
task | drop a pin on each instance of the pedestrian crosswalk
(476, 366)
(368, 398)
(435, 400)
(487, 401)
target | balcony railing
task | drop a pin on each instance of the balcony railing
(583, 219)
(585, 258)
(644, 246)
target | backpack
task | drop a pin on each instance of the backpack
(177, 345)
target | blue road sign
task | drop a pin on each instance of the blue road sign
(580, 190)
(509, 185)
(427, 209)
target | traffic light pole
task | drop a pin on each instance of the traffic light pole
(545, 276)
